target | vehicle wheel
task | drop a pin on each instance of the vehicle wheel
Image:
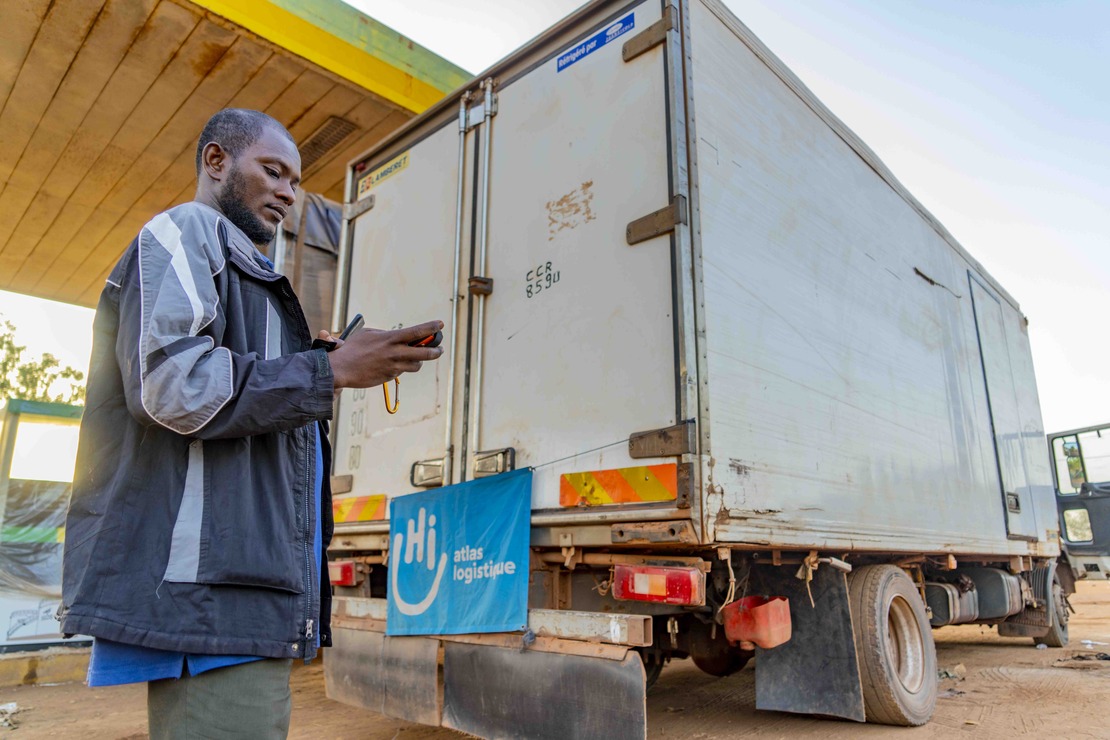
(711, 651)
(653, 666)
(721, 664)
(894, 644)
(1057, 635)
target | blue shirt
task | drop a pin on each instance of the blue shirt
(114, 663)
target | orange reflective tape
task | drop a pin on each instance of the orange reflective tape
(359, 508)
(619, 486)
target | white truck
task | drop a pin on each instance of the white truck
(743, 362)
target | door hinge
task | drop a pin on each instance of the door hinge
(660, 222)
(476, 114)
(681, 439)
(651, 36)
(359, 207)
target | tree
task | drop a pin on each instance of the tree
(33, 381)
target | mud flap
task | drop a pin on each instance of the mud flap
(505, 693)
(395, 676)
(816, 672)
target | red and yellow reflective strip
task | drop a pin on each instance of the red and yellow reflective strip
(347, 509)
(620, 486)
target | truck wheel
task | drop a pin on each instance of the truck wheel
(1057, 635)
(653, 665)
(721, 664)
(894, 644)
(711, 651)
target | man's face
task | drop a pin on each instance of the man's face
(261, 186)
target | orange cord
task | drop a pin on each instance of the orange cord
(396, 394)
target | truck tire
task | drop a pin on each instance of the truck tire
(711, 651)
(653, 665)
(1057, 635)
(894, 645)
(723, 664)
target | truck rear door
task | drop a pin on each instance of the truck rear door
(564, 331)
(578, 348)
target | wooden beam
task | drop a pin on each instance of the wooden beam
(17, 33)
(106, 45)
(59, 37)
(152, 50)
(347, 43)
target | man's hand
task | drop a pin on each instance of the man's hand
(371, 357)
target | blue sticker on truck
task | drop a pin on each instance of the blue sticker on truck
(459, 557)
(595, 42)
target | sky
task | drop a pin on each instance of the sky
(994, 113)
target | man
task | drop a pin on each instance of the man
(201, 504)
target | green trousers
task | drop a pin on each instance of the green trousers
(249, 700)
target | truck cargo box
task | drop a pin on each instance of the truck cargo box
(695, 248)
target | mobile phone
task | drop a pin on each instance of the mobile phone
(432, 340)
(355, 325)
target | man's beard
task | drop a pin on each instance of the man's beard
(231, 202)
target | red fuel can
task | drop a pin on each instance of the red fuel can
(758, 620)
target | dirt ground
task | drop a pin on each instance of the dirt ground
(1010, 690)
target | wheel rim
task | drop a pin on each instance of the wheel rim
(1060, 603)
(905, 648)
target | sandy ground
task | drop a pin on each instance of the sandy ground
(1010, 690)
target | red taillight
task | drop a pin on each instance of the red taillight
(666, 585)
(343, 573)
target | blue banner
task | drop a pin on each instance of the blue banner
(595, 42)
(458, 558)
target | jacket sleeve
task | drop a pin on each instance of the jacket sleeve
(174, 372)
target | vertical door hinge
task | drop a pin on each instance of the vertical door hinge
(651, 36)
(659, 222)
(477, 113)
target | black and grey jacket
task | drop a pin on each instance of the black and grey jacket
(192, 517)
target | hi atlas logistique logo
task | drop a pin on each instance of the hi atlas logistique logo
(418, 544)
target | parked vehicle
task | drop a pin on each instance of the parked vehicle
(1081, 469)
(765, 394)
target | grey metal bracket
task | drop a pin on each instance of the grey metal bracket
(480, 285)
(475, 115)
(654, 533)
(660, 222)
(651, 36)
(681, 439)
(359, 207)
(685, 485)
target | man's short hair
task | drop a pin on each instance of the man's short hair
(235, 129)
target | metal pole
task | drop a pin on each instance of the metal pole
(483, 241)
(449, 450)
(8, 423)
(339, 305)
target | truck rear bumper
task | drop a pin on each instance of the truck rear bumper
(552, 690)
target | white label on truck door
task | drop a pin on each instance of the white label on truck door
(390, 168)
(595, 42)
